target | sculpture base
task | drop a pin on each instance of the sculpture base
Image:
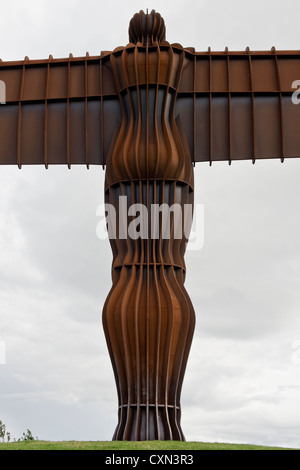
(148, 423)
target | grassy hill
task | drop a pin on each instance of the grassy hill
(120, 445)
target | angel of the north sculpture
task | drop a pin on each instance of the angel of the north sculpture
(147, 113)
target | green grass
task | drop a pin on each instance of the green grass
(121, 445)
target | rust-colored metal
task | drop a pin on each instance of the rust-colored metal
(147, 112)
(232, 105)
(148, 317)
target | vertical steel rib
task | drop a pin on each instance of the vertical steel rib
(46, 115)
(253, 104)
(68, 110)
(19, 143)
(147, 332)
(229, 107)
(158, 316)
(101, 112)
(138, 389)
(157, 137)
(148, 243)
(194, 111)
(210, 110)
(281, 105)
(138, 117)
(86, 110)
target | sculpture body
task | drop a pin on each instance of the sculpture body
(148, 317)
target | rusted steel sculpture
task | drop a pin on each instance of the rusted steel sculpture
(147, 112)
(148, 316)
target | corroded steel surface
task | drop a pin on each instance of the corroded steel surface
(232, 105)
(148, 316)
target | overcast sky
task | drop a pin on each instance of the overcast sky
(243, 378)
